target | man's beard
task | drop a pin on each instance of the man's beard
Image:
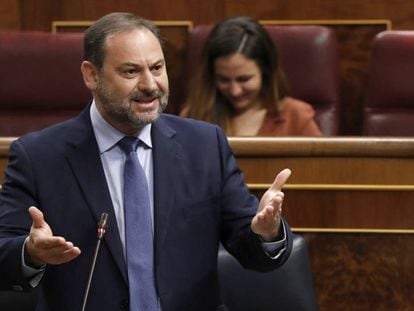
(121, 109)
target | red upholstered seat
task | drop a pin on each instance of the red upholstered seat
(389, 103)
(309, 58)
(40, 81)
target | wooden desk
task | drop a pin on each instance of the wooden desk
(353, 200)
(356, 184)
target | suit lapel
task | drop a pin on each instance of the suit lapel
(87, 167)
(166, 153)
(86, 164)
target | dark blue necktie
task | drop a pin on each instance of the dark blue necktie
(138, 231)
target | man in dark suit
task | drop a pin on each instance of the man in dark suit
(70, 173)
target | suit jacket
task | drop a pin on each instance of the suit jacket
(200, 198)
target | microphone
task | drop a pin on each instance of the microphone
(103, 222)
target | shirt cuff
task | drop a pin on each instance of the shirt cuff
(275, 249)
(34, 275)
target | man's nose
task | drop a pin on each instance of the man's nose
(146, 82)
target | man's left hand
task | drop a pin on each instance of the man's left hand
(266, 222)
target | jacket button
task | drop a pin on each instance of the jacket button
(124, 304)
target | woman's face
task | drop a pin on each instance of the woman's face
(239, 80)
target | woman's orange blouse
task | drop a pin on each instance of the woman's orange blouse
(296, 119)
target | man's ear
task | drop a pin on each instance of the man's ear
(90, 75)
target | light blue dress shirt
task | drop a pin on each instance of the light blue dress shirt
(113, 161)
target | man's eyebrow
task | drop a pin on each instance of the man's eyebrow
(159, 61)
(129, 65)
(135, 65)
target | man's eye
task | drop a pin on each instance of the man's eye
(157, 68)
(130, 72)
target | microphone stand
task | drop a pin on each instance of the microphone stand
(101, 232)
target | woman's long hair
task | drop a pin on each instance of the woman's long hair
(243, 35)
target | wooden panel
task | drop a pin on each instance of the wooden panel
(10, 14)
(358, 210)
(175, 36)
(352, 199)
(353, 160)
(362, 271)
(337, 170)
(36, 14)
(400, 12)
(355, 48)
(337, 183)
(40, 13)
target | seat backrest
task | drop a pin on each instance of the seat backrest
(288, 288)
(40, 81)
(308, 56)
(389, 101)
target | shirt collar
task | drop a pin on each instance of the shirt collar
(107, 136)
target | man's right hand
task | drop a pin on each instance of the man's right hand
(44, 248)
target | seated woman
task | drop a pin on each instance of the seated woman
(242, 89)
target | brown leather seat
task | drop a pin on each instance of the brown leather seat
(40, 81)
(309, 58)
(389, 103)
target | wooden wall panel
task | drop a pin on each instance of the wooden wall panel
(355, 44)
(200, 11)
(10, 17)
(357, 271)
(51, 10)
(336, 183)
(400, 12)
(361, 242)
(360, 209)
(38, 14)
